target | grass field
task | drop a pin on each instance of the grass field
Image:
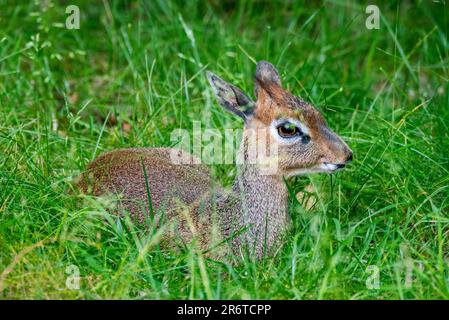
(134, 72)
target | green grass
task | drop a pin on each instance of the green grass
(134, 72)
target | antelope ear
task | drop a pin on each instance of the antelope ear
(266, 76)
(230, 97)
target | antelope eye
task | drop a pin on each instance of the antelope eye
(288, 130)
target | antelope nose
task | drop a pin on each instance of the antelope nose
(349, 158)
(340, 165)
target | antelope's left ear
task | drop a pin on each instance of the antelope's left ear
(230, 97)
(266, 77)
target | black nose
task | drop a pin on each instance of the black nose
(340, 165)
(349, 158)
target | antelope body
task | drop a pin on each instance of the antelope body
(254, 214)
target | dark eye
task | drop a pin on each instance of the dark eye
(288, 130)
(305, 139)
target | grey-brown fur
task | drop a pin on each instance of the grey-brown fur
(196, 209)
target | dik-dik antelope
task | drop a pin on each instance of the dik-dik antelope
(254, 214)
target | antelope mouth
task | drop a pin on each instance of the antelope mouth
(331, 167)
(324, 167)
